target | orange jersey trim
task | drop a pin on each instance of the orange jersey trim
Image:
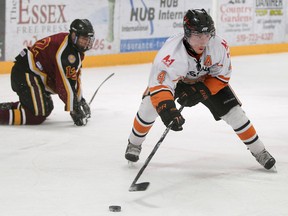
(160, 93)
(215, 85)
(155, 89)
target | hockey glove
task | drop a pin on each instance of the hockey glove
(85, 107)
(81, 112)
(168, 112)
(190, 95)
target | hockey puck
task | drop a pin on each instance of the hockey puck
(114, 208)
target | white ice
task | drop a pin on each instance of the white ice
(58, 169)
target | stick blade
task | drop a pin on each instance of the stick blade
(139, 187)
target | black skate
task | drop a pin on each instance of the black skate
(265, 159)
(132, 152)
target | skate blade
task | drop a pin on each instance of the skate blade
(131, 164)
(273, 169)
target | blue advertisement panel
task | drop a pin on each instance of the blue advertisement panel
(146, 44)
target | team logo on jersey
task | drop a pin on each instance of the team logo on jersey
(194, 73)
(168, 61)
(161, 76)
(71, 59)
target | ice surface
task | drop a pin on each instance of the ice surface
(58, 169)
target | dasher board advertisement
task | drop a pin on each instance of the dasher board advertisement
(145, 25)
(243, 22)
(31, 20)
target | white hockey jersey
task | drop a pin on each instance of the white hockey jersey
(173, 63)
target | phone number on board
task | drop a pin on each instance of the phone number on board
(254, 37)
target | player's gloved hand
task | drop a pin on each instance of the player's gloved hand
(78, 117)
(81, 112)
(85, 107)
(168, 112)
(190, 95)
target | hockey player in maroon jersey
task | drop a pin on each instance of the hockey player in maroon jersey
(194, 67)
(51, 66)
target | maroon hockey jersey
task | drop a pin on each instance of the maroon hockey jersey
(58, 63)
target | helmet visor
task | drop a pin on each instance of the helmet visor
(199, 39)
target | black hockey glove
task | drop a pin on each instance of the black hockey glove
(85, 107)
(190, 95)
(81, 112)
(168, 112)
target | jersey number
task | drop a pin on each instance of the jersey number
(161, 77)
(40, 45)
(71, 73)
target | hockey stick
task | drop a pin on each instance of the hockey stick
(99, 87)
(144, 185)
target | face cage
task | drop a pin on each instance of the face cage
(89, 44)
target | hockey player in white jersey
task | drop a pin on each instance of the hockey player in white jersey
(194, 67)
